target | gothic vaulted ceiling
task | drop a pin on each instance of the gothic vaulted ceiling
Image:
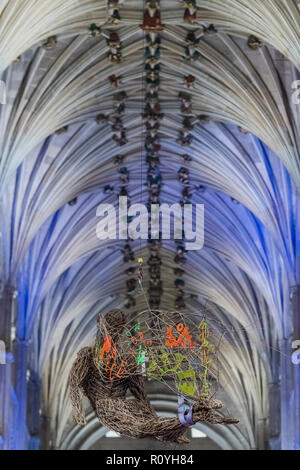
(58, 151)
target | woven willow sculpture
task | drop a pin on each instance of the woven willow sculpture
(121, 359)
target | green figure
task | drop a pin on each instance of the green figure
(162, 364)
(141, 356)
(187, 387)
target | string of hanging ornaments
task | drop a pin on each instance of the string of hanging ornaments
(155, 345)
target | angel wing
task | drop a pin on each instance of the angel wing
(78, 372)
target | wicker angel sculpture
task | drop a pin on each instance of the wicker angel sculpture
(121, 359)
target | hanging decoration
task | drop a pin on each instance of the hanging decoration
(154, 345)
(123, 353)
(152, 117)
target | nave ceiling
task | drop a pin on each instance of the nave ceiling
(244, 166)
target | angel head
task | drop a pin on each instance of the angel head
(112, 323)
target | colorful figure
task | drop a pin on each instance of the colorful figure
(210, 29)
(185, 138)
(190, 12)
(115, 52)
(190, 52)
(114, 81)
(152, 21)
(94, 30)
(186, 103)
(113, 11)
(206, 350)
(187, 382)
(183, 341)
(254, 43)
(184, 175)
(189, 81)
(118, 160)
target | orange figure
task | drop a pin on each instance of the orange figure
(120, 372)
(106, 346)
(113, 355)
(181, 341)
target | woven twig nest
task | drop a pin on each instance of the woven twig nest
(162, 346)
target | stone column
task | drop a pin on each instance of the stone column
(274, 416)
(8, 405)
(6, 313)
(296, 367)
(287, 389)
(274, 419)
(46, 434)
(33, 410)
(21, 351)
(290, 379)
(8, 400)
(262, 434)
